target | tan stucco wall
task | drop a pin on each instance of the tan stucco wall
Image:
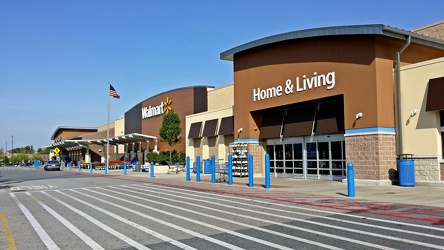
(220, 104)
(421, 133)
(104, 127)
(221, 98)
(119, 125)
(205, 116)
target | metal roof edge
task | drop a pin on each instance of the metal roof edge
(368, 29)
(416, 37)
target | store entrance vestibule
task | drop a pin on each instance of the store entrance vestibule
(309, 157)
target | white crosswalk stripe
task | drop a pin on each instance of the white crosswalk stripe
(167, 217)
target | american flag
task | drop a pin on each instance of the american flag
(113, 92)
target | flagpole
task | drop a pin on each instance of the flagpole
(107, 131)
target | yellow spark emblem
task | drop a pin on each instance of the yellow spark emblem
(167, 108)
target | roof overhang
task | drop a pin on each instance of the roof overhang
(371, 29)
(116, 140)
(66, 128)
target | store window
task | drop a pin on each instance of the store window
(270, 152)
(317, 157)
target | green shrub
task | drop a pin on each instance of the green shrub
(182, 157)
(162, 158)
(152, 157)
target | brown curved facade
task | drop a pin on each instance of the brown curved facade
(363, 67)
(184, 101)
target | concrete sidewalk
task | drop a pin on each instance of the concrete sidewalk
(417, 195)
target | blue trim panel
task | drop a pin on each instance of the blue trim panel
(372, 130)
(256, 140)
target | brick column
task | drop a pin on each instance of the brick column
(258, 158)
(374, 157)
(442, 171)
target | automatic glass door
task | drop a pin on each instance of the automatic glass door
(318, 157)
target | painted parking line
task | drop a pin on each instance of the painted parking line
(196, 234)
(221, 200)
(228, 231)
(427, 214)
(195, 202)
(66, 223)
(7, 233)
(50, 244)
(100, 224)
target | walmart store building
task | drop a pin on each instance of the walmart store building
(316, 99)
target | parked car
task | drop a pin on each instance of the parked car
(51, 165)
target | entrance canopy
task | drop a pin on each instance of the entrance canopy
(121, 139)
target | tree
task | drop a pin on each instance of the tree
(29, 150)
(43, 151)
(2, 157)
(21, 157)
(24, 150)
(170, 131)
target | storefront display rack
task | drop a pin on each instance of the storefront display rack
(239, 153)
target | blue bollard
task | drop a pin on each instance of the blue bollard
(350, 180)
(267, 171)
(230, 170)
(213, 169)
(63, 165)
(152, 170)
(250, 170)
(105, 169)
(90, 167)
(197, 168)
(70, 166)
(187, 169)
(79, 166)
(124, 168)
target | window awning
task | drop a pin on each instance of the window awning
(226, 126)
(330, 118)
(210, 128)
(195, 130)
(299, 121)
(435, 94)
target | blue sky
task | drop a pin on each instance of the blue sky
(57, 57)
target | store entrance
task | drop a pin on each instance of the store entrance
(310, 157)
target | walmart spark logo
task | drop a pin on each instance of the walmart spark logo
(167, 105)
(161, 109)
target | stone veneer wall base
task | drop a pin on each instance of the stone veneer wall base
(361, 182)
(430, 183)
(256, 150)
(373, 155)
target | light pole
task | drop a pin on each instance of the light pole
(12, 150)
(6, 152)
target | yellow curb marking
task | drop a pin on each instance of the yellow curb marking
(8, 234)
